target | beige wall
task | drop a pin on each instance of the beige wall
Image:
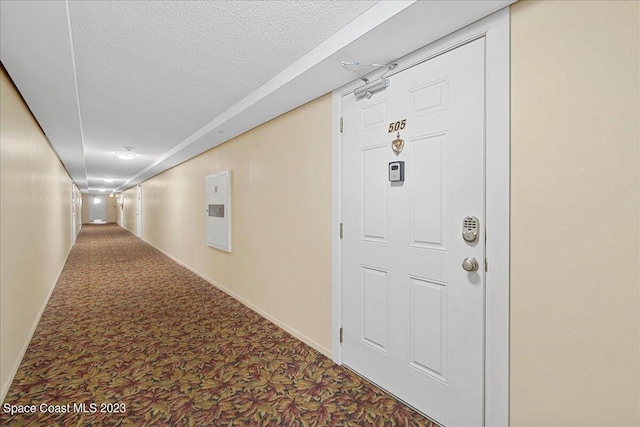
(85, 208)
(281, 216)
(575, 196)
(130, 206)
(35, 226)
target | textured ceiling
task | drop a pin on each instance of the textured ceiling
(151, 73)
(171, 79)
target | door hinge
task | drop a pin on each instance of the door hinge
(341, 124)
(486, 265)
(341, 230)
(341, 334)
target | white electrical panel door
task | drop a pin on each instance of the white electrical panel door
(218, 210)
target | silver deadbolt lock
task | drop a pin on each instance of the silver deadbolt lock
(470, 229)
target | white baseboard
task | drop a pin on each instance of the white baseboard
(302, 337)
(7, 383)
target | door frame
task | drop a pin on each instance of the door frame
(74, 206)
(139, 211)
(495, 29)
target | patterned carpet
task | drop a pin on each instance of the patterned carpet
(150, 343)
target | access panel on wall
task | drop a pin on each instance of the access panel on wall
(218, 210)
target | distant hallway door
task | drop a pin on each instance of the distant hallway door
(98, 210)
(139, 212)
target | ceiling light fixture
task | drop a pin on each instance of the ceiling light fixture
(108, 180)
(127, 154)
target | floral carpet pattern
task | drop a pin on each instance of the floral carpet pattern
(130, 338)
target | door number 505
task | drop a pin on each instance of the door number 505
(396, 126)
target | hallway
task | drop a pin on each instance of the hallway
(125, 325)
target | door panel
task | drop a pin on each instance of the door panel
(426, 191)
(428, 327)
(374, 192)
(413, 319)
(375, 115)
(375, 307)
(430, 98)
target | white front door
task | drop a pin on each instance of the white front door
(98, 210)
(413, 318)
(139, 212)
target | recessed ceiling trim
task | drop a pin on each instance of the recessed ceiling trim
(75, 83)
(35, 49)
